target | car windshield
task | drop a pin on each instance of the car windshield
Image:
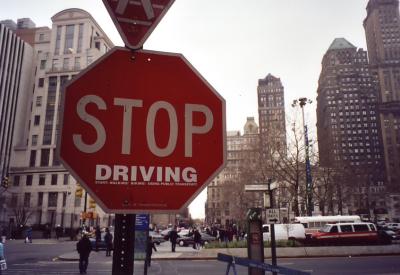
(326, 228)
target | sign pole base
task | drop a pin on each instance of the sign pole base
(124, 243)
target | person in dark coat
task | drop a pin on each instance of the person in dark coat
(84, 248)
(149, 250)
(197, 239)
(108, 238)
(173, 236)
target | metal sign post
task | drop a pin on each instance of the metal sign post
(255, 244)
(124, 243)
(273, 244)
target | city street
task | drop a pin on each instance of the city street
(40, 257)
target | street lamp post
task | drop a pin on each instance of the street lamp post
(309, 201)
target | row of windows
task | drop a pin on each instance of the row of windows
(42, 179)
(52, 199)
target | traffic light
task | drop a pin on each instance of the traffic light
(78, 191)
(5, 182)
(92, 203)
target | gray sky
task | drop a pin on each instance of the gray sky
(234, 43)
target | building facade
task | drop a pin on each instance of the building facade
(382, 30)
(227, 201)
(40, 186)
(348, 125)
(16, 61)
(271, 114)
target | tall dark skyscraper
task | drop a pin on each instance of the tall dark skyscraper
(271, 113)
(382, 29)
(347, 123)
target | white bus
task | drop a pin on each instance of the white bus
(314, 223)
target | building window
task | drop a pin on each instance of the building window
(53, 196)
(97, 45)
(16, 180)
(50, 110)
(58, 41)
(36, 120)
(56, 160)
(64, 202)
(39, 101)
(65, 179)
(69, 39)
(80, 38)
(77, 64)
(40, 199)
(34, 140)
(29, 179)
(27, 199)
(42, 179)
(54, 179)
(14, 200)
(45, 157)
(42, 64)
(32, 159)
(66, 64)
(41, 82)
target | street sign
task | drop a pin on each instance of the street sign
(135, 20)
(256, 187)
(272, 215)
(142, 132)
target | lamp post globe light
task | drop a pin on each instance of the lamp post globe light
(309, 201)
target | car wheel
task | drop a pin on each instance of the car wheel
(181, 243)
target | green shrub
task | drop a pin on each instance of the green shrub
(243, 244)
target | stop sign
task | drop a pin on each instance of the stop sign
(142, 131)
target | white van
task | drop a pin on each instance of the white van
(284, 231)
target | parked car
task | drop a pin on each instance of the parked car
(386, 236)
(292, 231)
(393, 226)
(157, 238)
(189, 240)
(346, 233)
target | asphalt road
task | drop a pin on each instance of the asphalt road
(40, 258)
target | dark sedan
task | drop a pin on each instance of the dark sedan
(189, 240)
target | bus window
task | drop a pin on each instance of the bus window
(346, 228)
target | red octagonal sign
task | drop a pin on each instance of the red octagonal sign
(142, 131)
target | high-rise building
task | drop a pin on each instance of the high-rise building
(16, 63)
(242, 158)
(348, 125)
(39, 183)
(271, 114)
(382, 29)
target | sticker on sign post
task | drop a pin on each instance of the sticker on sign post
(273, 216)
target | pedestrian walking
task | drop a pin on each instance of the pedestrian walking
(108, 238)
(173, 236)
(59, 231)
(28, 235)
(98, 237)
(149, 250)
(84, 248)
(3, 264)
(197, 239)
(3, 235)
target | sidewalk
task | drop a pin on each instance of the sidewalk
(282, 252)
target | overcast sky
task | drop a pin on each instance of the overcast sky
(234, 43)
